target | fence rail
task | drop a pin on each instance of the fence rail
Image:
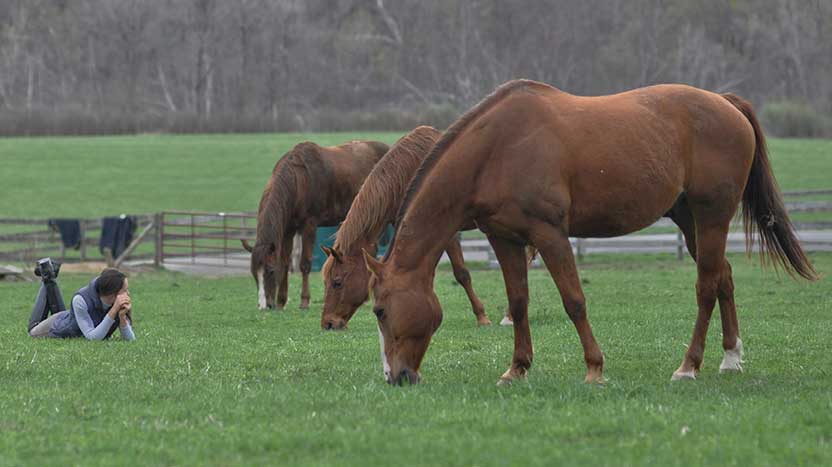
(24, 240)
(212, 239)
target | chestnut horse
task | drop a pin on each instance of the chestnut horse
(533, 165)
(310, 186)
(344, 274)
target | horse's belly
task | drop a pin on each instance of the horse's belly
(615, 212)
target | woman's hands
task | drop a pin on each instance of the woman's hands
(125, 308)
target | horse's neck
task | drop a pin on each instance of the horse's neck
(437, 212)
(364, 243)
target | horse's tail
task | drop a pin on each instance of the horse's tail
(763, 209)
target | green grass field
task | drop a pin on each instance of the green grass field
(93, 177)
(213, 381)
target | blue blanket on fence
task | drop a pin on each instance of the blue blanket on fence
(70, 231)
(116, 234)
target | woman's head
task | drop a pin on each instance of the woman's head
(110, 283)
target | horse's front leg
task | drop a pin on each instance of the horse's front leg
(463, 277)
(553, 243)
(285, 261)
(512, 258)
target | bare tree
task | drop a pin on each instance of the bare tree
(268, 65)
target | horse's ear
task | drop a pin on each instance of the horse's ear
(332, 252)
(246, 245)
(373, 265)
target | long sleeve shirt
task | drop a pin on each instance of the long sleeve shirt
(97, 333)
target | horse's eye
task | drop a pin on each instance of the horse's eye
(336, 283)
(379, 312)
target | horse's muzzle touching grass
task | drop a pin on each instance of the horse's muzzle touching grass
(405, 376)
(333, 324)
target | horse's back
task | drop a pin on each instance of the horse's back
(617, 163)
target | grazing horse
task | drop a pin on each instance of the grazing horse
(344, 274)
(534, 165)
(310, 186)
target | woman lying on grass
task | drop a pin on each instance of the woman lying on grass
(95, 312)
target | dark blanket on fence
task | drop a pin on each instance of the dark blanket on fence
(70, 231)
(116, 234)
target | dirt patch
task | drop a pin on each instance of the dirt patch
(94, 267)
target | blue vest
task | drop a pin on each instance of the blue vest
(67, 326)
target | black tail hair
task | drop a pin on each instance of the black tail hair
(763, 210)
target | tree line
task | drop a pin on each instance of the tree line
(126, 66)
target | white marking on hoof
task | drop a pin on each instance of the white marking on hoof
(506, 321)
(682, 375)
(732, 359)
(501, 383)
(261, 291)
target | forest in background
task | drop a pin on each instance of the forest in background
(132, 66)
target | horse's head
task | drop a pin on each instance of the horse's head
(345, 287)
(263, 261)
(408, 314)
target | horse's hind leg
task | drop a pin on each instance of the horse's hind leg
(731, 343)
(306, 262)
(462, 276)
(557, 254)
(513, 264)
(681, 215)
(531, 253)
(713, 279)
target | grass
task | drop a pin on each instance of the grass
(99, 176)
(213, 381)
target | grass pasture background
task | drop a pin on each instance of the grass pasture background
(213, 381)
(93, 177)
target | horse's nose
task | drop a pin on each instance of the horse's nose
(327, 326)
(270, 306)
(406, 376)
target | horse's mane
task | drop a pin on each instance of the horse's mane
(384, 189)
(454, 131)
(297, 171)
(448, 139)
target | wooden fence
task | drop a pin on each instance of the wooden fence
(25, 240)
(190, 239)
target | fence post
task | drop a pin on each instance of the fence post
(193, 240)
(224, 239)
(83, 235)
(579, 247)
(159, 257)
(680, 245)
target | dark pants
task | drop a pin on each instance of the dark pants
(48, 301)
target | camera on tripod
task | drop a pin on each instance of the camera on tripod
(47, 269)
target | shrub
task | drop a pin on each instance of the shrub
(795, 119)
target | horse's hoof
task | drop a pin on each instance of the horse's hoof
(732, 361)
(595, 378)
(483, 322)
(510, 376)
(683, 375)
(506, 321)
